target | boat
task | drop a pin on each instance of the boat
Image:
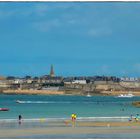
(88, 95)
(18, 101)
(125, 95)
(4, 109)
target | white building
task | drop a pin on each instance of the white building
(129, 79)
(79, 82)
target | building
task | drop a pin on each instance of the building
(129, 79)
(52, 71)
(79, 82)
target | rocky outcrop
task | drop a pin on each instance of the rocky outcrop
(136, 103)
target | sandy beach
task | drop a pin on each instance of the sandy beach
(61, 92)
(84, 127)
(43, 92)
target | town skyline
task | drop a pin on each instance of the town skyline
(52, 74)
(78, 38)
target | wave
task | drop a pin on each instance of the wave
(65, 102)
(40, 102)
(116, 118)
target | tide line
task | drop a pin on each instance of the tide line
(116, 118)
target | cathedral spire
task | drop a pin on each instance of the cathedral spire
(52, 71)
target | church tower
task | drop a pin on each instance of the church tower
(52, 71)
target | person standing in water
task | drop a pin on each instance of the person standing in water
(19, 119)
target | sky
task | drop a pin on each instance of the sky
(78, 38)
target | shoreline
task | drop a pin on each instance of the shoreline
(67, 119)
(115, 93)
(33, 92)
(62, 92)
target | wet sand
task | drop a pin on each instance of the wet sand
(69, 128)
(64, 130)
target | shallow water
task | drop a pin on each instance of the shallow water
(84, 136)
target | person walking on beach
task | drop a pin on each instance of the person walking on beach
(75, 117)
(72, 117)
(131, 118)
(19, 119)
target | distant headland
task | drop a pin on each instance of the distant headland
(83, 85)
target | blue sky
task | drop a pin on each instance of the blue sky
(78, 38)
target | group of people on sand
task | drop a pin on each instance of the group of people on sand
(73, 118)
(136, 118)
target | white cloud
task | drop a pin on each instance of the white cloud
(41, 9)
(97, 32)
(22, 10)
(70, 15)
(4, 14)
(45, 26)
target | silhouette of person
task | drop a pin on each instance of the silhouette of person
(19, 119)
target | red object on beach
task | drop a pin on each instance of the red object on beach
(4, 109)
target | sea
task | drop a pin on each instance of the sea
(95, 108)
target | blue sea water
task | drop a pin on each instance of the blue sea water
(62, 106)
